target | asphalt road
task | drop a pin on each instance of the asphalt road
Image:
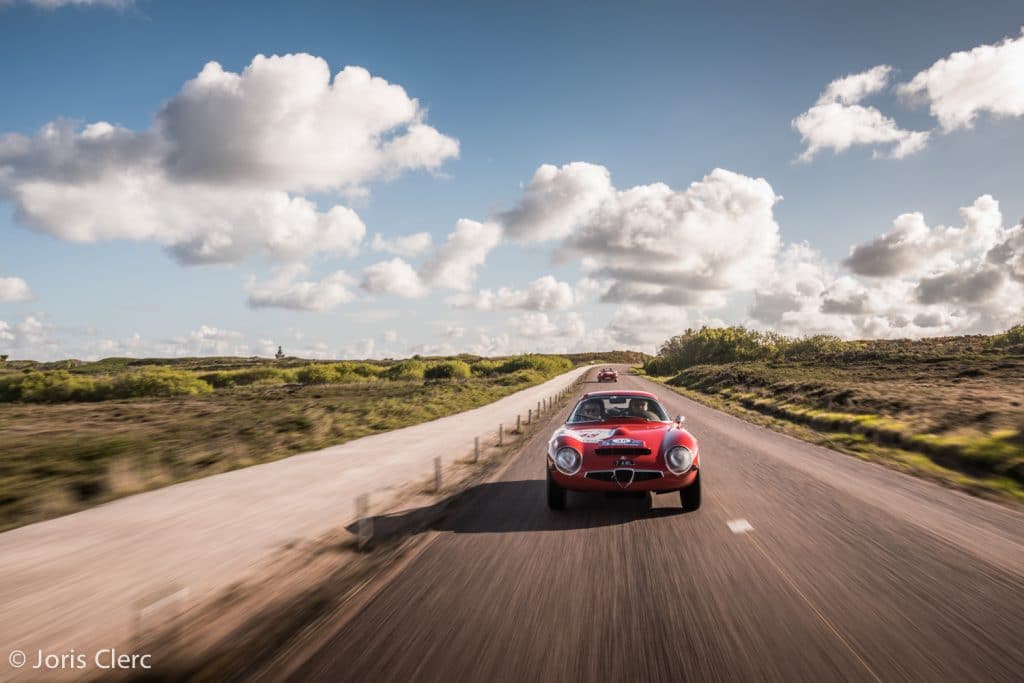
(848, 571)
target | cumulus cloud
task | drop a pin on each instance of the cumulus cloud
(555, 200)
(453, 264)
(911, 281)
(652, 244)
(645, 327)
(285, 290)
(911, 246)
(649, 244)
(14, 289)
(987, 79)
(838, 121)
(543, 294)
(221, 173)
(407, 246)
(395, 277)
(336, 133)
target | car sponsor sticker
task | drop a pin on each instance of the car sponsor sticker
(621, 442)
(591, 435)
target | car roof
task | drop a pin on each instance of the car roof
(627, 392)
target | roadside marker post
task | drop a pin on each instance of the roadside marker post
(437, 473)
(538, 408)
(529, 416)
(501, 434)
(476, 449)
(518, 423)
(364, 524)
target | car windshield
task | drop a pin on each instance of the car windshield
(599, 409)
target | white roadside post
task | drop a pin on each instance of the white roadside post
(364, 523)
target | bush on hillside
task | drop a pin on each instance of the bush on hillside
(452, 369)
(411, 369)
(157, 382)
(1013, 338)
(548, 366)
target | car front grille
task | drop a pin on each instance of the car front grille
(622, 450)
(638, 475)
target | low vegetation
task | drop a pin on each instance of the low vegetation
(76, 434)
(951, 408)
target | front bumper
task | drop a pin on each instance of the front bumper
(622, 479)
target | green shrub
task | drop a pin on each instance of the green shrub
(318, 373)
(158, 382)
(810, 348)
(407, 370)
(258, 375)
(357, 371)
(1012, 338)
(452, 369)
(548, 366)
(57, 385)
(484, 368)
(520, 377)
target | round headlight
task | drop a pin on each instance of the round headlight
(568, 460)
(679, 459)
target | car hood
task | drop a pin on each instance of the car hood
(639, 434)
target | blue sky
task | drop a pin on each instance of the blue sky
(652, 92)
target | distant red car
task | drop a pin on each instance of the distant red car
(622, 441)
(608, 375)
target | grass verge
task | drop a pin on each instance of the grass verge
(57, 458)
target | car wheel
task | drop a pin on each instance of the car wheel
(690, 496)
(556, 494)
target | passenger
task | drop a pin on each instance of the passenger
(638, 408)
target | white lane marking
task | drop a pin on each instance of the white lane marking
(739, 526)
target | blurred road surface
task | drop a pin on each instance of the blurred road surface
(802, 565)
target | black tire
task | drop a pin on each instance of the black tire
(690, 496)
(556, 494)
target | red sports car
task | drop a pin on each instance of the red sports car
(608, 375)
(623, 441)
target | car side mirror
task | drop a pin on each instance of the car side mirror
(680, 419)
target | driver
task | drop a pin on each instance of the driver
(590, 411)
(638, 408)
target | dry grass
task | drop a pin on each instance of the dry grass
(951, 409)
(61, 457)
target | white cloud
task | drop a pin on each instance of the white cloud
(657, 245)
(986, 79)
(559, 334)
(452, 265)
(543, 294)
(394, 277)
(838, 121)
(555, 200)
(220, 174)
(914, 280)
(14, 289)
(455, 263)
(407, 246)
(284, 290)
(645, 327)
(911, 247)
(285, 123)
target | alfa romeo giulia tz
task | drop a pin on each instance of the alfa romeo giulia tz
(622, 441)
